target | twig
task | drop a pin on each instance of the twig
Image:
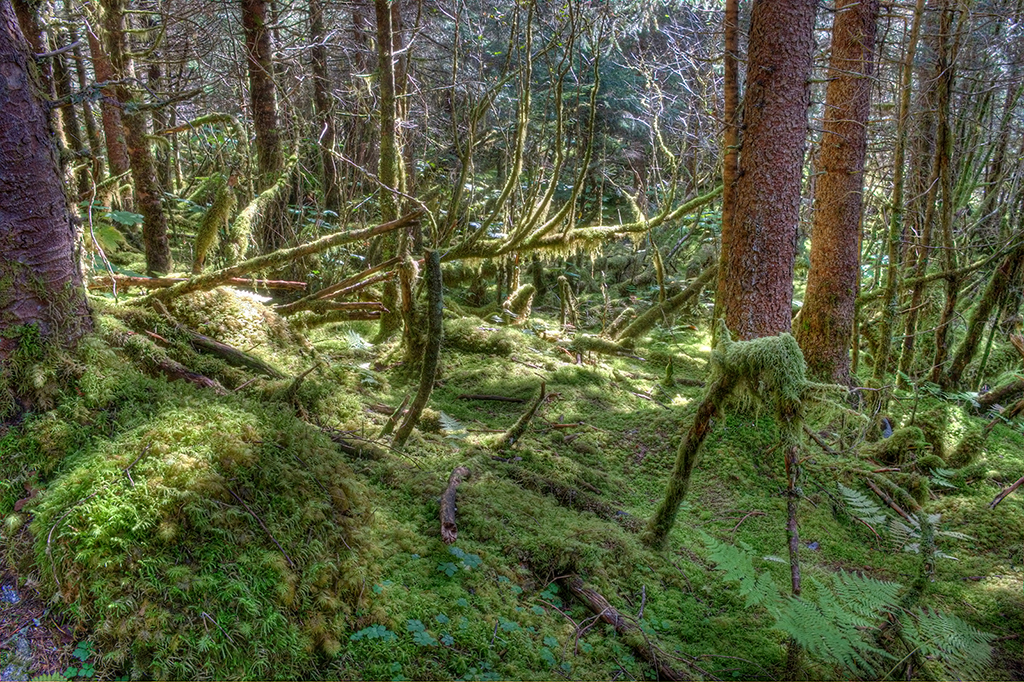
(821, 443)
(264, 527)
(1002, 496)
(745, 517)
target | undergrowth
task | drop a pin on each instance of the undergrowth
(258, 535)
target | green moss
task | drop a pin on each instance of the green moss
(903, 446)
(968, 449)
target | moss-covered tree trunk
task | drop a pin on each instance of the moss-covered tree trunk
(757, 278)
(263, 101)
(325, 129)
(148, 193)
(826, 320)
(40, 279)
(432, 351)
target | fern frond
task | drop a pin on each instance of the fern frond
(861, 506)
(452, 427)
(737, 565)
(864, 596)
(824, 631)
(964, 651)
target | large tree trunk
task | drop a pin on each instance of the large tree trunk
(42, 283)
(148, 193)
(826, 321)
(757, 280)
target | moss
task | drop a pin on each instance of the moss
(968, 449)
(213, 220)
(902, 447)
(933, 429)
(468, 335)
(520, 302)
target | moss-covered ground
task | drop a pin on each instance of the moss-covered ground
(264, 533)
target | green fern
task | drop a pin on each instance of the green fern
(962, 650)
(836, 624)
(861, 506)
(453, 428)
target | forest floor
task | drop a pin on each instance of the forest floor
(264, 530)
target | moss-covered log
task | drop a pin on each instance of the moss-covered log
(512, 436)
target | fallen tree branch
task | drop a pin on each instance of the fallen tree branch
(625, 627)
(263, 526)
(889, 501)
(229, 354)
(487, 396)
(218, 277)
(449, 529)
(1003, 495)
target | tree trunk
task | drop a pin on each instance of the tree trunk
(826, 321)
(91, 131)
(42, 283)
(263, 100)
(731, 138)
(148, 192)
(757, 278)
(896, 225)
(113, 131)
(325, 129)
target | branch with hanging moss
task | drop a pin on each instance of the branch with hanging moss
(127, 281)
(213, 220)
(343, 287)
(578, 237)
(215, 279)
(645, 322)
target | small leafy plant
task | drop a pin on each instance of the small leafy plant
(85, 668)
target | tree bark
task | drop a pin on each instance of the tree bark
(757, 277)
(826, 321)
(326, 131)
(148, 193)
(263, 100)
(42, 283)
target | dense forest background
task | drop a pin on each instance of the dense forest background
(488, 340)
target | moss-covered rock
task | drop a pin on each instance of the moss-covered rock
(903, 446)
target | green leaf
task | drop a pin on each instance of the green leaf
(126, 218)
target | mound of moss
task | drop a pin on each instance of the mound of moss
(234, 317)
(194, 537)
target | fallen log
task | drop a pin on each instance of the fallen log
(154, 360)
(347, 285)
(625, 627)
(513, 435)
(487, 396)
(449, 529)
(229, 354)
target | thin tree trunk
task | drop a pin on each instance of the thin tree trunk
(91, 131)
(148, 192)
(263, 100)
(826, 321)
(325, 128)
(113, 130)
(896, 227)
